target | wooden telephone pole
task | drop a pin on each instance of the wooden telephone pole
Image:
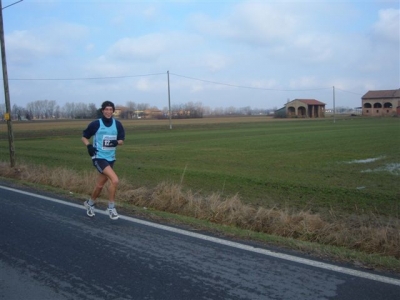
(6, 91)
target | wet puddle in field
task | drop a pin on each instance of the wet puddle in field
(392, 168)
(364, 161)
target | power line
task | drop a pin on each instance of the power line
(82, 78)
(12, 4)
(349, 92)
(178, 75)
(248, 87)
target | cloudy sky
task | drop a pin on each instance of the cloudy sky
(219, 53)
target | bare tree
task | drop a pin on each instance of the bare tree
(92, 111)
(68, 110)
(129, 113)
(231, 110)
(49, 108)
(218, 111)
(245, 110)
(193, 110)
(35, 109)
(2, 110)
(57, 112)
(81, 110)
(18, 112)
(140, 108)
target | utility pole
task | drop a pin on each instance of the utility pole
(6, 91)
(334, 107)
(169, 102)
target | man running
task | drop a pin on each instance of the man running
(107, 134)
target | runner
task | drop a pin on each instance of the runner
(107, 134)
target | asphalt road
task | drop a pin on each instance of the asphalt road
(50, 249)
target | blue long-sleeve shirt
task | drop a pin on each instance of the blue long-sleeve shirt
(95, 125)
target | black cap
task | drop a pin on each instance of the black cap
(107, 103)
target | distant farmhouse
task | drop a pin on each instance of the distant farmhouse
(381, 103)
(302, 108)
(119, 110)
(125, 113)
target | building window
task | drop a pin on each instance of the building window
(367, 105)
(388, 105)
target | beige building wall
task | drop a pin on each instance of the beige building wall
(305, 109)
(381, 103)
(380, 107)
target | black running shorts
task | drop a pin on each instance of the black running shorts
(101, 164)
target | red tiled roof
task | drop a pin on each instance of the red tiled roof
(382, 94)
(310, 101)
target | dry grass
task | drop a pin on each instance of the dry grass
(366, 233)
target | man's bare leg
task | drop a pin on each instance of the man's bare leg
(100, 182)
(112, 189)
(114, 181)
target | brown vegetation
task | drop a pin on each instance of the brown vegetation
(364, 233)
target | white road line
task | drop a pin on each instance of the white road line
(291, 258)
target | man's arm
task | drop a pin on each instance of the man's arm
(87, 134)
(85, 141)
(121, 133)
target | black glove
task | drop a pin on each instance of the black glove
(91, 150)
(113, 143)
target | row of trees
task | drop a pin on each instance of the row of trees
(49, 109)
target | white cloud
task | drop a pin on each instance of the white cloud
(215, 62)
(388, 25)
(261, 22)
(143, 84)
(304, 82)
(151, 46)
(263, 84)
(89, 47)
(144, 47)
(314, 47)
(256, 23)
(283, 45)
(151, 11)
(196, 87)
(103, 67)
(23, 46)
(121, 15)
(56, 40)
(279, 31)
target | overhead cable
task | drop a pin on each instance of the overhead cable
(248, 87)
(349, 92)
(82, 78)
(178, 75)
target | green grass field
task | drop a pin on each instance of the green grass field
(348, 166)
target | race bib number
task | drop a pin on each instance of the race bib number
(106, 142)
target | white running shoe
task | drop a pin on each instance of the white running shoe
(113, 213)
(89, 208)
